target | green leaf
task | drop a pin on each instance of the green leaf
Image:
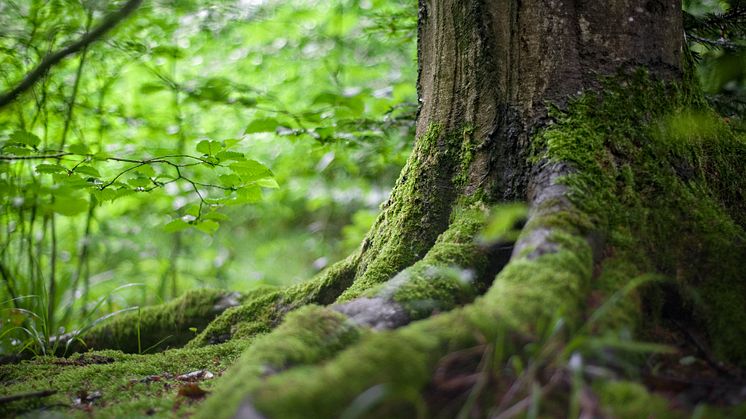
(193, 210)
(16, 151)
(355, 105)
(217, 216)
(262, 125)
(50, 168)
(25, 138)
(209, 147)
(146, 170)
(176, 225)
(251, 170)
(139, 182)
(230, 155)
(269, 182)
(70, 181)
(230, 181)
(207, 226)
(505, 222)
(69, 206)
(79, 149)
(110, 194)
(230, 143)
(85, 169)
(248, 195)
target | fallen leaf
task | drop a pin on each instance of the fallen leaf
(192, 391)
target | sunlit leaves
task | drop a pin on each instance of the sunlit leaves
(24, 138)
(209, 148)
(250, 170)
(262, 125)
(89, 170)
(49, 168)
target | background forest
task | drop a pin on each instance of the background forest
(217, 143)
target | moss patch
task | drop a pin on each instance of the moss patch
(630, 400)
(113, 384)
(451, 274)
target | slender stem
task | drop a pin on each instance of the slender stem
(76, 85)
(83, 259)
(52, 290)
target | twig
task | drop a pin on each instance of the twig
(29, 395)
(50, 60)
(42, 157)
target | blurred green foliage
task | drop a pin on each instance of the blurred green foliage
(220, 143)
(716, 32)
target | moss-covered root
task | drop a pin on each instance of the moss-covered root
(385, 372)
(262, 312)
(154, 328)
(453, 272)
(309, 335)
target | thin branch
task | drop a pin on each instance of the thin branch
(40, 157)
(50, 60)
(717, 43)
(30, 395)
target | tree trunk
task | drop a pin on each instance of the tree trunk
(587, 111)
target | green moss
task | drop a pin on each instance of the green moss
(308, 335)
(530, 292)
(620, 307)
(466, 155)
(158, 327)
(121, 380)
(658, 173)
(415, 215)
(448, 276)
(629, 400)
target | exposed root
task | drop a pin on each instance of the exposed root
(152, 329)
(534, 288)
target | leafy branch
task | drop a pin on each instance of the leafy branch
(240, 178)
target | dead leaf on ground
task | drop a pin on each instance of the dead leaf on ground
(192, 391)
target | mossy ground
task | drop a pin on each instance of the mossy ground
(114, 384)
(651, 170)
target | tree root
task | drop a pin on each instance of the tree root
(546, 279)
(153, 328)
